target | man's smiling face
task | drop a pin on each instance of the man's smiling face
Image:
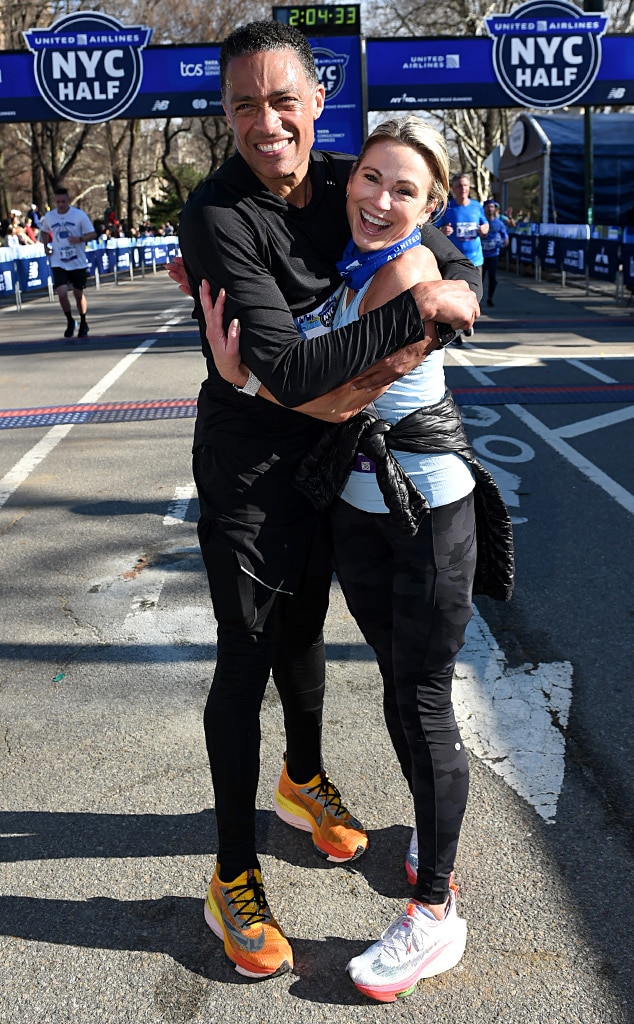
(272, 108)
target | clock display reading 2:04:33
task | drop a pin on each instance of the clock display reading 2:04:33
(322, 19)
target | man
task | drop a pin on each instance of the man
(492, 244)
(65, 231)
(464, 222)
(268, 227)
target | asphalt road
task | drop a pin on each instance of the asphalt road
(107, 830)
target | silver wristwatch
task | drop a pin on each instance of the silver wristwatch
(445, 334)
(251, 387)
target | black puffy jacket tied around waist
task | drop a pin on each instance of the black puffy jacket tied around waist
(434, 430)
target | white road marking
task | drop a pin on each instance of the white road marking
(592, 472)
(513, 719)
(582, 365)
(588, 426)
(554, 438)
(31, 460)
(177, 509)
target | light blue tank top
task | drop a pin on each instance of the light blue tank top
(441, 478)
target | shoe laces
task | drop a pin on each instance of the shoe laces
(405, 935)
(328, 796)
(249, 902)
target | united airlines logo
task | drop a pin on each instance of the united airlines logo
(546, 54)
(88, 66)
(331, 70)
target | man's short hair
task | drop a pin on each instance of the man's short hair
(259, 36)
(61, 190)
(460, 174)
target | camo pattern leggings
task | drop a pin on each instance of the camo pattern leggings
(411, 597)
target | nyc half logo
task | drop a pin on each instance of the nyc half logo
(88, 66)
(546, 53)
(331, 70)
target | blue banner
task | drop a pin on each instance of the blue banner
(628, 266)
(523, 247)
(7, 278)
(435, 73)
(550, 252)
(603, 258)
(33, 272)
(94, 85)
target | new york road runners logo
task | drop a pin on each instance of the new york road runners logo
(88, 66)
(546, 53)
(331, 70)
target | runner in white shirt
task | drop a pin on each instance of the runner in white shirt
(65, 231)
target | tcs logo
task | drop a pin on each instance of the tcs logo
(191, 70)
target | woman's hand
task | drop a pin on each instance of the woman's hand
(225, 348)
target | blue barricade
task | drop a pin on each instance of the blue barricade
(628, 265)
(101, 260)
(33, 272)
(603, 258)
(523, 248)
(572, 255)
(549, 252)
(7, 277)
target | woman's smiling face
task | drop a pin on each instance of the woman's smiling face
(388, 195)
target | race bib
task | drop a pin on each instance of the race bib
(466, 230)
(319, 321)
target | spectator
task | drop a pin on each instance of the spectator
(492, 244)
(29, 229)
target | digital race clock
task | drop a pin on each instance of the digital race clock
(322, 19)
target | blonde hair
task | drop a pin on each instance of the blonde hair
(421, 137)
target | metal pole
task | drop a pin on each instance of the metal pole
(588, 144)
(588, 161)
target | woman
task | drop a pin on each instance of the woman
(409, 592)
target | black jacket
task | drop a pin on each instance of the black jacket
(433, 430)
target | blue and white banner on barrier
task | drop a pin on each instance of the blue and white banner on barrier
(33, 272)
(573, 255)
(7, 278)
(603, 258)
(101, 260)
(628, 265)
(522, 247)
(549, 252)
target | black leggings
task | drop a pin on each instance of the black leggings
(490, 267)
(411, 597)
(259, 631)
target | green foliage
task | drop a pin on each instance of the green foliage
(174, 193)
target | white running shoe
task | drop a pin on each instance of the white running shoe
(411, 858)
(413, 947)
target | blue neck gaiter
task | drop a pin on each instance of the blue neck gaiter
(357, 267)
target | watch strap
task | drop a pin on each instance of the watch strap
(251, 387)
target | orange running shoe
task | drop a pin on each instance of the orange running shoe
(317, 807)
(237, 912)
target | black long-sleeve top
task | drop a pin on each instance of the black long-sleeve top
(277, 261)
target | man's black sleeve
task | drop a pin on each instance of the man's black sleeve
(221, 248)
